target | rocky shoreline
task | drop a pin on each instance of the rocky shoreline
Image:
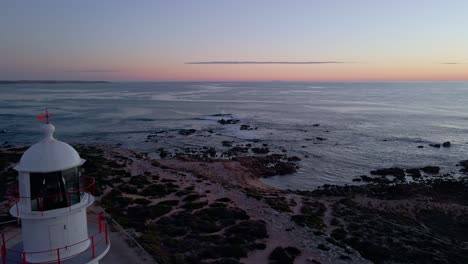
(208, 207)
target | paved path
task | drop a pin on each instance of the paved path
(121, 252)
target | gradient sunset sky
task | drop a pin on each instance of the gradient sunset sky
(200, 40)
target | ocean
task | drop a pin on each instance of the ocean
(362, 126)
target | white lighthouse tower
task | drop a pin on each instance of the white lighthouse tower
(51, 202)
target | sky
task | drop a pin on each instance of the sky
(241, 40)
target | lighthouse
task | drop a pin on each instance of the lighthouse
(51, 203)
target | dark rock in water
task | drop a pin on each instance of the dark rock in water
(435, 145)
(211, 152)
(239, 149)
(420, 146)
(3, 131)
(464, 164)
(284, 255)
(265, 145)
(446, 144)
(413, 172)
(271, 165)
(228, 121)
(357, 179)
(316, 125)
(284, 168)
(294, 158)
(320, 138)
(227, 143)
(248, 145)
(381, 180)
(260, 150)
(431, 169)
(163, 153)
(397, 172)
(186, 132)
(245, 127)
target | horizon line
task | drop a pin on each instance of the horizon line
(267, 62)
(187, 81)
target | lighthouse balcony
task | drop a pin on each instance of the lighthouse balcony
(52, 204)
(89, 250)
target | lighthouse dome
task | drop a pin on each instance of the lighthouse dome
(49, 155)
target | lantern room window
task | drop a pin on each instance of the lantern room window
(55, 190)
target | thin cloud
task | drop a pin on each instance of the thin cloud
(452, 63)
(268, 62)
(94, 71)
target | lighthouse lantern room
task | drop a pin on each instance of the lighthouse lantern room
(51, 202)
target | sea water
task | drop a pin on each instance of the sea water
(364, 126)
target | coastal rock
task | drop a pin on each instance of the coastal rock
(228, 121)
(260, 150)
(226, 143)
(413, 172)
(187, 132)
(316, 125)
(446, 144)
(395, 171)
(321, 138)
(211, 152)
(245, 127)
(274, 164)
(435, 145)
(381, 180)
(163, 153)
(431, 169)
(294, 158)
(464, 164)
(239, 149)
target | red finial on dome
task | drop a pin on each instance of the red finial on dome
(46, 116)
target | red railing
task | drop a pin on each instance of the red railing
(88, 184)
(14, 256)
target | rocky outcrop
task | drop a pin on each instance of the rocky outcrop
(260, 150)
(431, 169)
(395, 171)
(186, 132)
(228, 121)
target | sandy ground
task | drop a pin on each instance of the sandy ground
(228, 179)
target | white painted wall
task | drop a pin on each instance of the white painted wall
(37, 237)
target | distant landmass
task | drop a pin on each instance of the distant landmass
(47, 82)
